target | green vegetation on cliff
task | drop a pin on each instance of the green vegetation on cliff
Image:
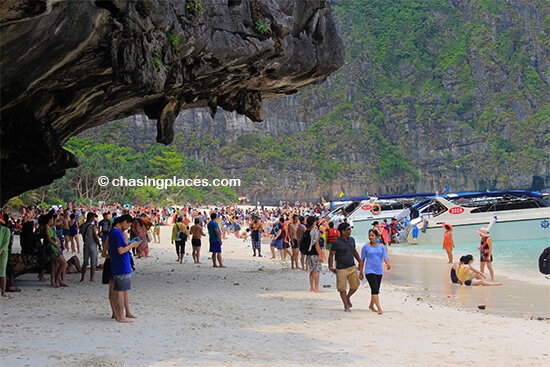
(433, 93)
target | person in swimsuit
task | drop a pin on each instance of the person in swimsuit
(197, 232)
(464, 273)
(448, 243)
(486, 252)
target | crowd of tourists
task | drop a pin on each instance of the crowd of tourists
(74, 240)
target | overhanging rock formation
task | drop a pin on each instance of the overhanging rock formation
(67, 66)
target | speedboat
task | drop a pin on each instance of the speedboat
(379, 209)
(509, 215)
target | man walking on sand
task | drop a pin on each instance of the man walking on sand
(121, 267)
(197, 232)
(343, 249)
(215, 238)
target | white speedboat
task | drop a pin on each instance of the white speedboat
(379, 209)
(373, 210)
(511, 215)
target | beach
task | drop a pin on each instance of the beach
(259, 312)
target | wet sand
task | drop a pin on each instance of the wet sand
(258, 312)
(428, 279)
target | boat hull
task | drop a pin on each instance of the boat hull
(525, 224)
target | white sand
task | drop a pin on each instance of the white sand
(256, 312)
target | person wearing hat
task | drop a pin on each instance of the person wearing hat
(5, 237)
(486, 252)
(448, 243)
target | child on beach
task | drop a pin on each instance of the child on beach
(448, 243)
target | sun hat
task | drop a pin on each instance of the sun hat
(447, 225)
(483, 232)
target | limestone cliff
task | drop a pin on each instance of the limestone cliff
(67, 66)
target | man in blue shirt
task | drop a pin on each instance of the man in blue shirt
(121, 268)
(215, 238)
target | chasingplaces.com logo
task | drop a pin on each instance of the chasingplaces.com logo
(164, 183)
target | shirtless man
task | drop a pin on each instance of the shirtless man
(293, 240)
(197, 232)
(256, 235)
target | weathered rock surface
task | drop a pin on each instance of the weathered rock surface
(69, 66)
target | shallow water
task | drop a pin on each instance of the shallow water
(517, 260)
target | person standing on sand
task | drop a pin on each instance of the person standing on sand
(91, 245)
(121, 268)
(256, 236)
(5, 237)
(293, 239)
(299, 233)
(197, 232)
(448, 243)
(486, 252)
(314, 255)
(215, 238)
(372, 255)
(179, 236)
(343, 249)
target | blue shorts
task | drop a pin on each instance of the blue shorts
(321, 243)
(215, 246)
(122, 282)
(278, 243)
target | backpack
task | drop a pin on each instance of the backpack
(544, 261)
(181, 236)
(305, 242)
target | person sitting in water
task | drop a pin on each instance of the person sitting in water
(464, 273)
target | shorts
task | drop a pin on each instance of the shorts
(374, 282)
(345, 276)
(279, 244)
(295, 243)
(107, 275)
(122, 282)
(3, 263)
(468, 282)
(321, 243)
(66, 232)
(256, 239)
(314, 264)
(196, 242)
(215, 247)
(90, 252)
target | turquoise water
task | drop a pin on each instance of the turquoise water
(514, 259)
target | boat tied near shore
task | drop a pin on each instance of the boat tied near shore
(509, 215)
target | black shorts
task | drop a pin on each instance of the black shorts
(196, 243)
(106, 276)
